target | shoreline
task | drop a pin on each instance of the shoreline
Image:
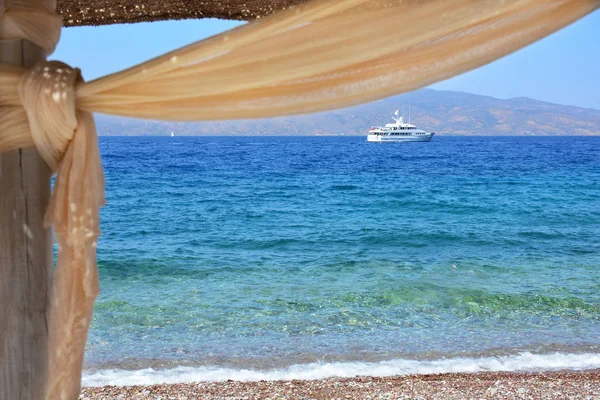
(488, 385)
(515, 363)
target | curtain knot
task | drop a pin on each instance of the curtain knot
(33, 20)
(47, 92)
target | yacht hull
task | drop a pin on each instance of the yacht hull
(393, 138)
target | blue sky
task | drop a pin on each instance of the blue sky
(563, 68)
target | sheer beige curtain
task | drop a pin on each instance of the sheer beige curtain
(322, 55)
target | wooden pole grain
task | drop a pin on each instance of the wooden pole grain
(25, 257)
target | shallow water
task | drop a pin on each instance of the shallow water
(267, 252)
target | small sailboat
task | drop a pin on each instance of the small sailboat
(172, 134)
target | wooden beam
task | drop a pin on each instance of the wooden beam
(25, 258)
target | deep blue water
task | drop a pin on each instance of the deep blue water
(271, 251)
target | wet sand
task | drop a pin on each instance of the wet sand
(485, 385)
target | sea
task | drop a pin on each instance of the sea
(256, 258)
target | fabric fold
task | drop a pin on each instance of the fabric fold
(33, 20)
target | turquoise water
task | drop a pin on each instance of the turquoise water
(270, 252)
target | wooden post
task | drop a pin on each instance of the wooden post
(25, 258)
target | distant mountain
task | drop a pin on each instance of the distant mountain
(443, 112)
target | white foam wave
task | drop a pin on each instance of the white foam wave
(521, 362)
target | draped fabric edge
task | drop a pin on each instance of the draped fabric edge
(248, 73)
(267, 68)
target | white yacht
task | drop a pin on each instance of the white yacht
(399, 131)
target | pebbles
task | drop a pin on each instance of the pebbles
(499, 385)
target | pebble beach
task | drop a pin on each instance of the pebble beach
(498, 385)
